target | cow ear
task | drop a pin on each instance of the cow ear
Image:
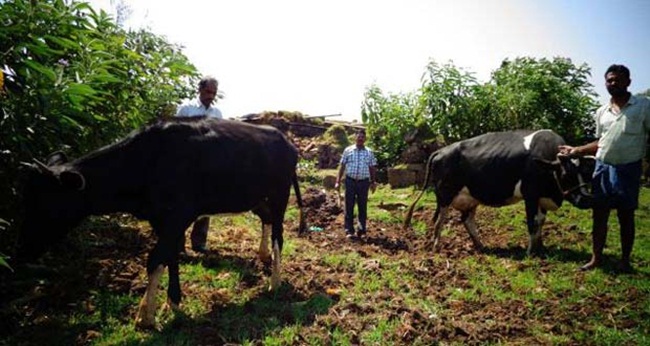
(72, 180)
(548, 165)
(56, 158)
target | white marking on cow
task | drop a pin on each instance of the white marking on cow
(516, 194)
(464, 200)
(529, 139)
(264, 254)
(146, 316)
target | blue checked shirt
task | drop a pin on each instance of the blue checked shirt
(358, 162)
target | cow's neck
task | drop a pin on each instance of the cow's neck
(113, 178)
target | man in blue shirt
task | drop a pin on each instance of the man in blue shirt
(358, 163)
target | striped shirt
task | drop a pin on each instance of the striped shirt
(358, 162)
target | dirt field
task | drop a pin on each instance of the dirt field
(115, 262)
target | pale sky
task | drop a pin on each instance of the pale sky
(318, 57)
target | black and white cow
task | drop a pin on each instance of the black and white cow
(502, 168)
(169, 173)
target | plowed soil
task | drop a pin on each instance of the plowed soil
(116, 257)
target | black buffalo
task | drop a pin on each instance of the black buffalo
(502, 168)
(169, 173)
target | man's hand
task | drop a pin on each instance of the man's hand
(373, 187)
(568, 150)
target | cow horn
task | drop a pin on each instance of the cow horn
(27, 164)
(41, 165)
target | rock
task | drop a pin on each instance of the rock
(406, 175)
(401, 177)
(329, 181)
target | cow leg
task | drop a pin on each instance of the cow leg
(264, 254)
(467, 216)
(164, 253)
(439, 219)
(146, 316)
(264, 213)
(535, 218)
(272, 215)
(276, 280)
(158, 257)
(278, 241)
(174, 287)
(278, 207)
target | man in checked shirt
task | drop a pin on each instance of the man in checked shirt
(359, 165)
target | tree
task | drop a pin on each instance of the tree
(524, 93)
(73, 79)
(388, 119)
(544, 94)
(446, 97)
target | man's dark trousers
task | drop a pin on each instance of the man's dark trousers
(356, 191)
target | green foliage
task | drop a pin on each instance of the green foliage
(551, 94)
(388, 118)
(447, 96)
(307, 171)
(451, 105)
(74, 80)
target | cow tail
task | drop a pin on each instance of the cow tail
(302, 227)
(427, 174)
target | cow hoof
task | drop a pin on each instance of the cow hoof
(275, 284)
(170, 306)
(265, 258)
(144, 323)
(143, 319)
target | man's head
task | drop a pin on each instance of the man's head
(361, 138)
(208, 87)
(617, 79)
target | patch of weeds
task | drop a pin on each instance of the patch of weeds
(340, 337)
(305, 311)
(286, 336)
(348, 261)
(368, 283)
(380, 333)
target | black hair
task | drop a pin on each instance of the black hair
(208, 80)
(620, 70)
